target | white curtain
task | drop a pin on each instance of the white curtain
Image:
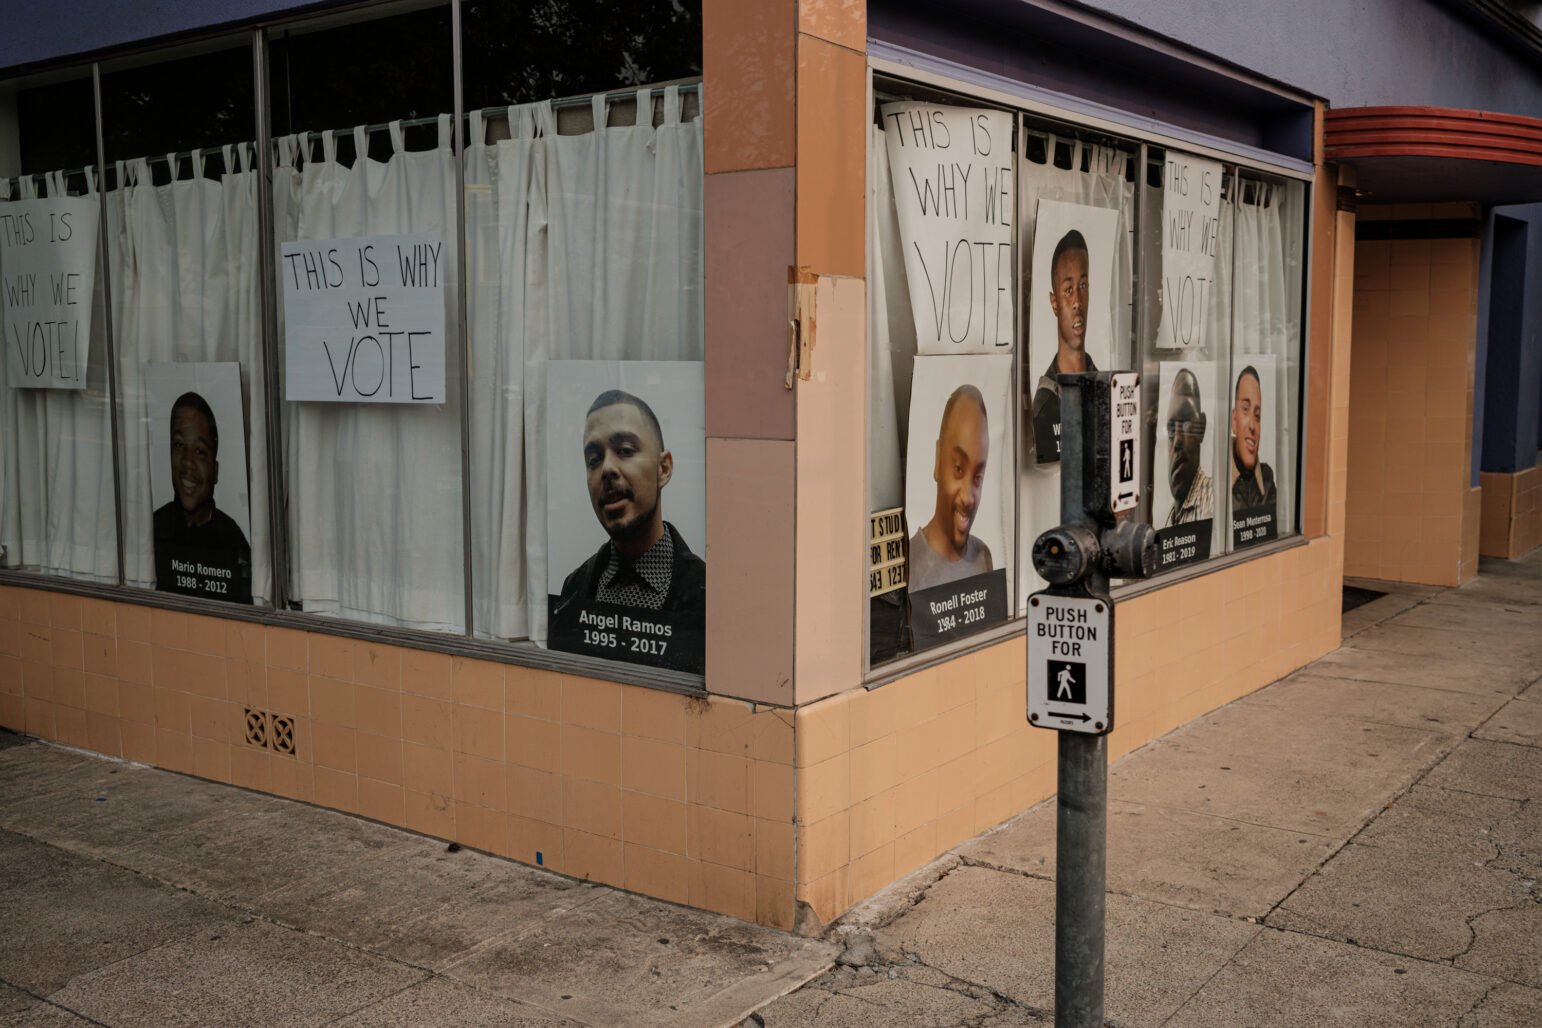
(56, 487)
(374, 491)
(185, 288)
(582, 246)
(1265, 312)
(892, 352)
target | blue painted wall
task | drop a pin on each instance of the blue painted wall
(1510, 331)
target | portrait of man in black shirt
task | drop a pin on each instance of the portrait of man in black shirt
(642, 595)
(1068, 299)
(199, 549)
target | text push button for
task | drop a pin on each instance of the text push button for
(1069, 640)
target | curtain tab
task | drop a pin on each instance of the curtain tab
(545, 118)
(397, 145)
(477, 130)
(446, 139)
(644, 117)
(671, 105)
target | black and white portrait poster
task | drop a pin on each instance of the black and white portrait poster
(1254, 487)
(198, 480)
(958, 496)
(1070, 310)
(626, 507)
(1184, 494)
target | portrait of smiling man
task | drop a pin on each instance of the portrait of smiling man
(944, 549)
(1252, 481)
(199, 549)
(645, 563)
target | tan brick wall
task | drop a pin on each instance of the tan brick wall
(1410, 409)
(889, 778)
(685, 799)
(1512, 513)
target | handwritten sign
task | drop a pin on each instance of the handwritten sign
(47, 274)
(364, 319)
(952, 176)
(1191, 209)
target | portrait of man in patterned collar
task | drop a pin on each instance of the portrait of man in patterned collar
(645, 563)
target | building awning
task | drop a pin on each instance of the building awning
(1437, 154)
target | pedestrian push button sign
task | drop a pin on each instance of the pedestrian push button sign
(1069, 687)
(1124, 442)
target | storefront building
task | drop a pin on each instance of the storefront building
(612, 436)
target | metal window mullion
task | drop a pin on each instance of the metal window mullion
(1140, 351)
(1303, 344)
(278, 525)
(103, 249)
(465, 325)
(1019, 363)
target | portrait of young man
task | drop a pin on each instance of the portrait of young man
(1068, 298)
(944, 549)
(199, 549)
(645, 563)
(1252, 481)
(1193, 493)
(641, 596)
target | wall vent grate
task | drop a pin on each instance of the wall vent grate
(270, 731)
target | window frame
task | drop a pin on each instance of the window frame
(463, 642)
(899, 65)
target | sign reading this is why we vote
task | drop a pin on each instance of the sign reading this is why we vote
(364, 319)
(952, 176)
(47, 274)
(1191, 226)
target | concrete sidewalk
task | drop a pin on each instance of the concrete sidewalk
(1359, 844)
(133, 896)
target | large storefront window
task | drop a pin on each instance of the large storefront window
(528, 449)
(584, 243)
(364, 217)
(1009, 247)
(183, 245)
(56, 463)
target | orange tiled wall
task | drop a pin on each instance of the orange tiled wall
(1410, 409)
(1512, 513)
(675, 797)
(891, 777)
